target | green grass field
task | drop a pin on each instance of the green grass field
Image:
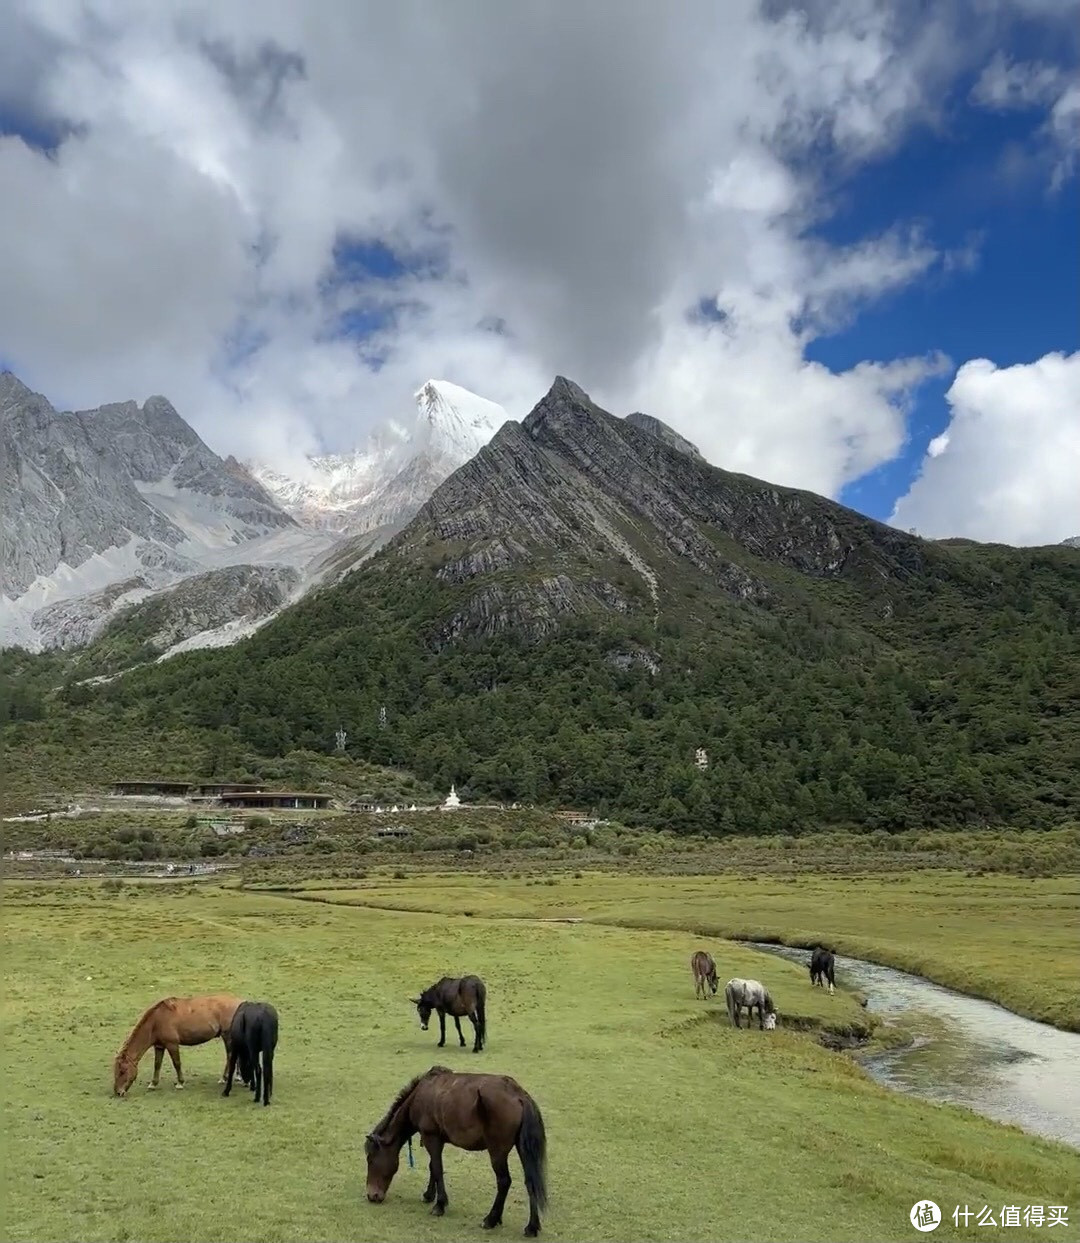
(663, 1122)
(1010, 939)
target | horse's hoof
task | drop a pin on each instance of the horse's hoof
(530, 1232)
(150, 1087)
(179, 1087)
(488, 1224)
(437, 1210)
(428, 1196)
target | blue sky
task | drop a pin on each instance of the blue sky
(1021, 298)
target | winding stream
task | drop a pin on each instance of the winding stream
(967, 1051)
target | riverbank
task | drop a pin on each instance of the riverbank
(962, 1049)
(1005, 939)
(647, 1092)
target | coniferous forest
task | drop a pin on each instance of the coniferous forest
(961, 709)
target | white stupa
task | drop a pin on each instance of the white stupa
(452, 799)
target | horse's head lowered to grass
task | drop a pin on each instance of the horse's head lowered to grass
(125, 1072)
(383, 1158)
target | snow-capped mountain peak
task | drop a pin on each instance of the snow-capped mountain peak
(384, 483)
(458, 422)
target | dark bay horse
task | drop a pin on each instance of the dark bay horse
(822, 967)
(476, 1112)
(168, 1024)
(253, 1035)
(704, 970)
(750, 993)
(460, 998)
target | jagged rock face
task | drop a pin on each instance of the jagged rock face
(670, 437)
(62, 499)
(1072, 542)
(384, 484)
(100, 509)
(582, 511)
(73, 485)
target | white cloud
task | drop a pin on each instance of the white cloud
(578, 177)
(1007, 469)
(1007, 85)
(1024, 84)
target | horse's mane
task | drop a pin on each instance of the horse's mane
(404, 1095)
(145, 1018)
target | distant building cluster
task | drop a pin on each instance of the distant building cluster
(232, 794)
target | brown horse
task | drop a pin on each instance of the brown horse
(460, 998)
(470, 1111)
(168, 1024)
(704, 970)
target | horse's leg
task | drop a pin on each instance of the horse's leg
(159, 1053)
(457, 1024)
(268, 1075)
(760, 1015)
(174, 1054)
(434, 1146)
(442, 1029)
(256, 1075)
(429, 1190)
(503, 1180)
(228, 1054)
(476, 1032)
(230, 1067)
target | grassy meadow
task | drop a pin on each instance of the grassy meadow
(664, 1123)
(1009, 939)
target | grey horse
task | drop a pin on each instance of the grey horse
(748, 994)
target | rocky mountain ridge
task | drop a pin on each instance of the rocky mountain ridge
(575, 510)
(100, 510)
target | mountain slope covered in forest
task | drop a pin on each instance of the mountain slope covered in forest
(584, 603)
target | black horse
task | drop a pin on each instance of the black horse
(822, 967)
(253, 1035)
(460, 998)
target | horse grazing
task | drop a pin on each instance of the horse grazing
(470, 1111)
(168, 1024)
(460, 998)
(822, 967)
(704, 970)
(750, 993)
(254, 1033)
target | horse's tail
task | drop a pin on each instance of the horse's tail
(531, 1144)
(729, 997)
(481, 1013)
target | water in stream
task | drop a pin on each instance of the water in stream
(968, 1051)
